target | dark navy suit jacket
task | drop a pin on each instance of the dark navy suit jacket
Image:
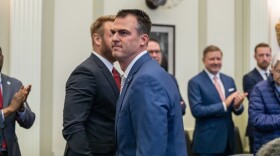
(149, 116)
(214, 128)
(89, 110)
(249, 81)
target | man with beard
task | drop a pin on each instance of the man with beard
(212, 98)
(261, 72)
(92, 91)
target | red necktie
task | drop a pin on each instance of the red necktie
(116, 77)
(4, 143)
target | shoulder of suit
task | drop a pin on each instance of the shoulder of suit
(252, 74)
(198, 77)
(224, 75)
(9, 78)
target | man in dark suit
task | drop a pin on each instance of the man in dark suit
(13, 107)
(212, 98)
(148, 116)
(155, 52)
(261, 72)
(91, 96)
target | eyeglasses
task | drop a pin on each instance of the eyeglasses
(154, 51)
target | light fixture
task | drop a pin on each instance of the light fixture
(154, 4)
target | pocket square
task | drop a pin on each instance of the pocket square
(231, 89)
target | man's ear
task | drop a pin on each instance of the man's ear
(144, 39)
(96, 39)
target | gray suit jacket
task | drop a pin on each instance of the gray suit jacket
(7, 127)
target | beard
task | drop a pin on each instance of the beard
(106, 51)
(264, 65)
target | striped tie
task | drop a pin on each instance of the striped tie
(122, 82)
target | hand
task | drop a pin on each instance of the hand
(239, 98)
(27, 89)
(19, 98)
(230, 99)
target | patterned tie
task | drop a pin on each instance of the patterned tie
(123, 81)
(219, 88)
(116, 77)
(4, 143)
(266, 75)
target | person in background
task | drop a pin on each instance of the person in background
(14, 108)
(264, 107)
(148, 116)
(259, 73)
(271, 148)
(92, 91)
(155, 52)
(213, 98)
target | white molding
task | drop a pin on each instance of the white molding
(25, 63)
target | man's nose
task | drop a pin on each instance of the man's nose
(154, 54)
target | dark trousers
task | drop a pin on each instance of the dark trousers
(226, 152)
(251, 144)
(4, 153)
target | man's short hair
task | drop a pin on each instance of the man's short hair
(275, 59)
(262, 45)
(97, 26)
(154, 40)
(211, 48)
(271, 148)
(143, 20)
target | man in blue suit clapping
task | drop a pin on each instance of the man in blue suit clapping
(212, 98)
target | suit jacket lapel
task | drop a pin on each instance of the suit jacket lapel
(210, 84)
(129, 78)
(225, 84)
(107, 74)
(5, 90)
(258, 75)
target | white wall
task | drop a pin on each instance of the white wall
(72, 44)
(221, 31)
(5, 32)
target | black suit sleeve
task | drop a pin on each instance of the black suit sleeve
(80, 94)
(248, 84)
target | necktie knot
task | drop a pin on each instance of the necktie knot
(266, 74)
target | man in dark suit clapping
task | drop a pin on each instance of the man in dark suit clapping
(91, 95)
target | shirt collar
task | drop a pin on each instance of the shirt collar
(261, 71)
(126, 72)
(108, 64)
(264, 73)
(211, 76)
